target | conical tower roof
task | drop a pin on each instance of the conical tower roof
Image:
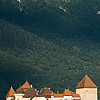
(86, 82)
(11, 92)
(26, 85)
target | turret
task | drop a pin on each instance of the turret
(10, 94)
(87, 89)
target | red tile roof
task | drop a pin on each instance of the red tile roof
(86, 83)
(67, 92)
(10, 93)
(58, 95)
(46, 92)
(26, 85)
(75, 95)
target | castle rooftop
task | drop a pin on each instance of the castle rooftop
(86, 82)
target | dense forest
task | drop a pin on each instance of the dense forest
(51, 43)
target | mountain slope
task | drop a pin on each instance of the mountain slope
(26, 56)
(47, 45)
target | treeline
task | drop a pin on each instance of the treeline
(48, 43)
(24, 56)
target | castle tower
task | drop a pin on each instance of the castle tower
(26, 86)
(20, 92)
(87, 89)
(10, 94)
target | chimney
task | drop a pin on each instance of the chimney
(35, 89)
(48, 88)
(31, 86)
(37, 92)
(41, 90)
(44, 87)
(57, 92)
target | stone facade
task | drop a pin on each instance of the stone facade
(87, 89)
(87, 93)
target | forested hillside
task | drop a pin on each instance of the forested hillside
(49, 43)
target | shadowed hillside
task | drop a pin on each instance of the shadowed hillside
(48, 43)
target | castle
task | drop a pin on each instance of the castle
(85, 90)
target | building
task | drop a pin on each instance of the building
(44, 94)
(10, 94)
(85, 90)
(25, 92)
(67, 95)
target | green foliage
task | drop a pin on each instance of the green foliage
(49, 43)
